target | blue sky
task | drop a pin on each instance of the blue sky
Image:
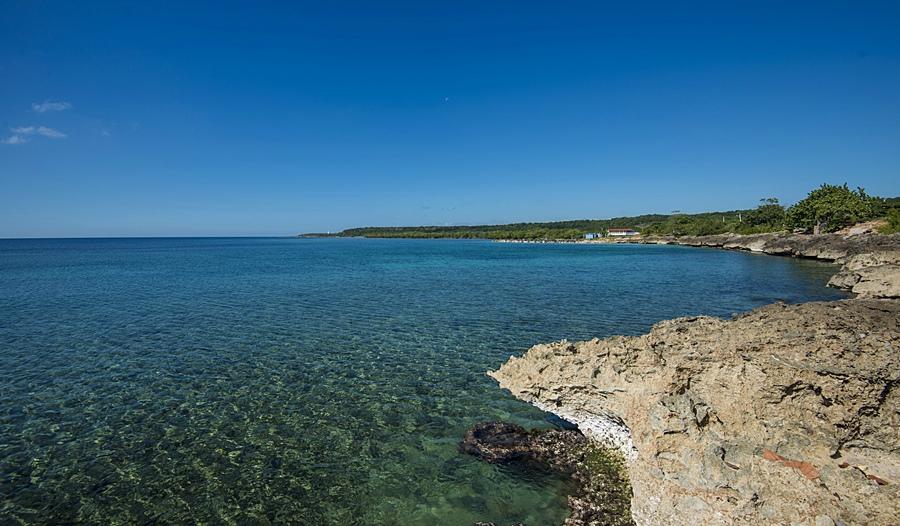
(277, 118)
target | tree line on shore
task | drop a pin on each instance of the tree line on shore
(826, 209)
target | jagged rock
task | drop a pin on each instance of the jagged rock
(785, 415)
(882, 281)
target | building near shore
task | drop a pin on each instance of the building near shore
(622, 232)
(593, 235)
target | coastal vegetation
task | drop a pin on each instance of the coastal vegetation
(830, 208)
(826, 209)
(893, 222)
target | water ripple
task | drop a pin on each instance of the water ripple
(258, 381)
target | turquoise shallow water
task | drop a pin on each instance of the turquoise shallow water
(255, 381)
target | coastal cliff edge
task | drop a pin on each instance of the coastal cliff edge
(788, 414)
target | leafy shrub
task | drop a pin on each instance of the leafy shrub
(770, 215)
(893, 222)
(831, 207)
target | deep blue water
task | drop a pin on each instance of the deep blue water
(255, 381)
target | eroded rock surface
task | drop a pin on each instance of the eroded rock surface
(873, 274)
(785, 415)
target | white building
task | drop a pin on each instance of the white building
(622, 232)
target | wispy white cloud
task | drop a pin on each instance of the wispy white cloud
(39, 130)
(50, 105)
(14, 139)
(50, 132)
(23, 134)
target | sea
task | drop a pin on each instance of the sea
(312, 381)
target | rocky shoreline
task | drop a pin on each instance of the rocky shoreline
(789, 414)
(870, 262)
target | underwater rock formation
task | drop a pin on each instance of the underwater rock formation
(600, 495)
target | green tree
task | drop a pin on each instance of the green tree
(831, 207)
(769, 213)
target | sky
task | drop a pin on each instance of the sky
(270, 118)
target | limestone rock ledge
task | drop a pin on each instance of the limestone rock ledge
(789, 414)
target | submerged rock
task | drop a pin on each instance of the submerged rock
(601, 493)
(785, 415)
